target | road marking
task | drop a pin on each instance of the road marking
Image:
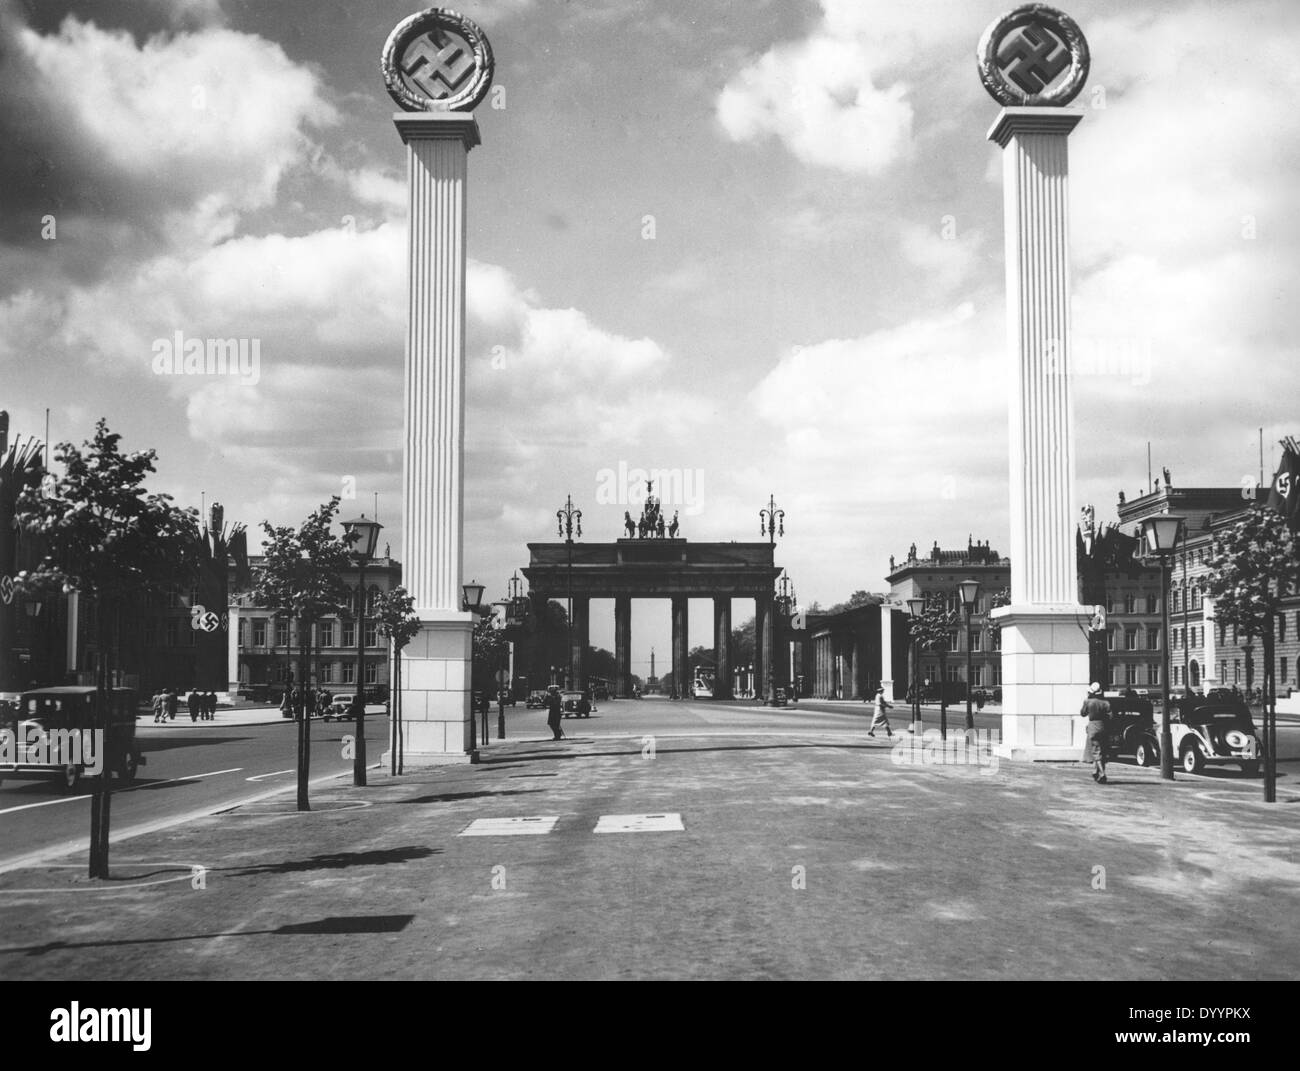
(117, 792)
(510, 827)
(264, 776)
(639, 823)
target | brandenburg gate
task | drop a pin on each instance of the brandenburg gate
(675, 569)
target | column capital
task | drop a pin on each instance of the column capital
(429, 125)
(1012, 122)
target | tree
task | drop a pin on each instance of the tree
(396, 619)
(301, 576)
(858, 598)
(932, 631)
(1253, 567)
(106, 539)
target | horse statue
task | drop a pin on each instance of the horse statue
(659, 527)
(629, 525)
(674, 527)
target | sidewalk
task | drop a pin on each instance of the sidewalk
(798, 857)
(235, 716)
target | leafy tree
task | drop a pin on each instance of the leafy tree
(858, 598)
(932, 630)
(109, 540)
(396, 619)
(1255, 564)
(301, 576)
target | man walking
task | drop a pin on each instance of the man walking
(1097, 711)
(880, 717)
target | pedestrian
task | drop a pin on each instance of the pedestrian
(1097, 711)
(880, 717)
(210, 707)
(194, 701)
(554, 709)
(173, 703)
(159, 705)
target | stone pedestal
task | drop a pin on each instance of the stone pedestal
(436, 715)
(623, 646)
(1044, 630)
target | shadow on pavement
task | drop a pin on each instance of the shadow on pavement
(453, 797)
(336, 861)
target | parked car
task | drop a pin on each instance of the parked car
(1205, 730)
(1132, 724)
(49, 735)
(535, 700)
(340, 707)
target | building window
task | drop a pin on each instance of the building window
(349, 672)
(372, 672)
(1110, 638)
(280, 674)
(1175, 600)
(997, 674)
(952, 641)
(259, 632)
(974, 640)
(327, 634)
(1131, 673)
(349, 634)
(996, 636)
(1236, 671)
(372, 637)
(1153, 604)
(1281, 627)
(977, 676)
(1130, 603)
(1281, 669)
(327, 672)
(173, 631)
(1114, 675)
(282, 633)
(1131, 639)
(1175, 672)
(1153, 672)
(1153, 639)
(1196, 598)
(949, 671)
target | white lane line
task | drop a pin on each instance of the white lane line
(639, 823)
(510, 827)
(264, 776)
(117, 792)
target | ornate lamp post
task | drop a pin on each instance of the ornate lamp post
(567, 519)
(516, 613)
(364, 535)
(970, 591)
(472, 602)
(1160, 534)
(915, 608)
(771, 521)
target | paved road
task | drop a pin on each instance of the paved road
(190, 768)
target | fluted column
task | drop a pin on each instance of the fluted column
(762, 644)
(437, 663)
(681, 648)
(1045, 650)
(581, 639)
(722, 646)
(623, 646)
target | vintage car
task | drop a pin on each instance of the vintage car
(57, 733)
(1132, 723)
(1206, 730)
(536, 700)
(575, 705)
(340, 708)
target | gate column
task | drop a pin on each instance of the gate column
(722, 646)
(681, 685)
(623, 646)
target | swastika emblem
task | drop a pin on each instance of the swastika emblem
(437, 64)
(6, 589)
(1032, 58)
(1024, 55)
(437, 61)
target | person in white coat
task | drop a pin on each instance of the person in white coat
(880, 717)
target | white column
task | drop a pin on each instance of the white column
(887, 651)
(436, 665)
(1044, 630)
(232, 651)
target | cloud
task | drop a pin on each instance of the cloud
(173, 137)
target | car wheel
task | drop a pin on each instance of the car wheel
(69, 778)
(1193, 758)
(1250, 769)
(1145, 754)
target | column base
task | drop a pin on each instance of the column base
(437, 720)
(1044, 681)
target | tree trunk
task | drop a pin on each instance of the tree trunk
(304, 715)
(101, 800)
(1269, 718)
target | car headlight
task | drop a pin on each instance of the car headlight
(1235, 738)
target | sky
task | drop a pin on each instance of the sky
(757, 246)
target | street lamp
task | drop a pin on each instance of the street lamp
(566, 520)
(1160, 534)
(771, 521)
(915, 608)
(970, 590)
(363, 534)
